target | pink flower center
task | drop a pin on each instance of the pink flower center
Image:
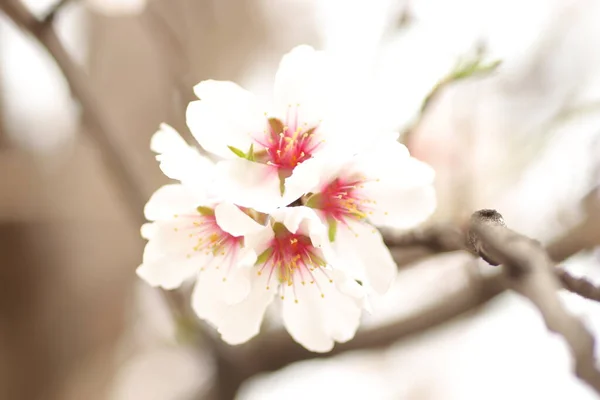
(291, 258)
(206, 238)
(343, 198)
(288, 144)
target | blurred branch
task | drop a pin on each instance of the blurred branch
(100, 123)
(434, 239)
(530, 272)
(54, 10)
(584, 236)
(172, 54)
(417, 244)
(456, 304)
(580, 286)
(102, 130)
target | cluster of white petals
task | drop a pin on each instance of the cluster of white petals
(288, 210)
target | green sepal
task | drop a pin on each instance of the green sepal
(237, 152)
(314, 201)
(250, 155)
(264, 256)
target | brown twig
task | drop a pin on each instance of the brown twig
(415, 245)
(530, 272)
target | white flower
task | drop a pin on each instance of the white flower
(316, 109)
(189, 234)
(320, 304)
(191, 228)
(181, 162)
(240, 264)
(383, 186)
(117, 7)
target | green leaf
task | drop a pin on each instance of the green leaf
(237, 152)
(332, 222)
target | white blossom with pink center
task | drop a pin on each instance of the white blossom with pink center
(267, 149)
(227, 224)
(380, 186)
(296, 265)
(192, 233)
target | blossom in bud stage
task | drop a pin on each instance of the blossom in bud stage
(266, 148)
(380, 186)
(296, 265)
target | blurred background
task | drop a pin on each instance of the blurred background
(513, 124)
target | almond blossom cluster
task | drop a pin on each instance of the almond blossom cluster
(285, 208)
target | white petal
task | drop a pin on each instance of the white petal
(305, 178)
(148, 230)
(403, 208)
(234, 221)
(303, 320)
(169, 274)
(293, 217)
(240, 322)
(380, 156)
(305, 221)
(363, 254)
(343, 306)
(260, 240)
(225, 115)
(400, 185)
(180, 161)
(249, 184)
(168, 258)
(304, 84)
(237, 285)
(169, 200)
(207, 299)
(315, 321)
(167, 264)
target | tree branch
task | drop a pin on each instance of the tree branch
(530, 272)
(415, 245)
(585, 235)
(54, 10)
(580, 286)
(463, 301)
(102, 130)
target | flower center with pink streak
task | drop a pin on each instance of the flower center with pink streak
(342, 199)
(291, 258)
(288, 144)
(206, 237)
